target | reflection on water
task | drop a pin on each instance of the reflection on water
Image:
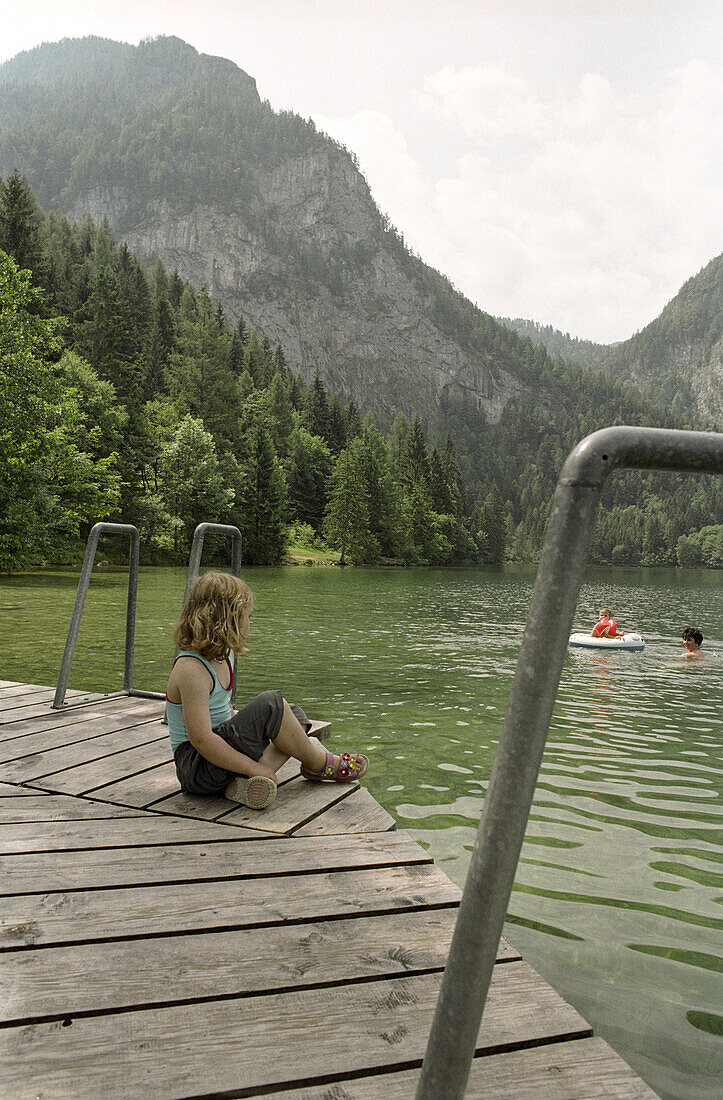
(618, 894)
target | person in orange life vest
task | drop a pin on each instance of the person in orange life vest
(606, 627)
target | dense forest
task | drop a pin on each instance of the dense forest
(556, 343)
(127, 394)
(679, 353)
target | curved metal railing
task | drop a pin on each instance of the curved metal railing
(511, 788)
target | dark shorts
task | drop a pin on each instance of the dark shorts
(249, 732)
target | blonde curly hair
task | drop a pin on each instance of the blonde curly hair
(212, 616)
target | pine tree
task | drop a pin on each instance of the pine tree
(280, 360)
(236, 355)
(199, 379)
(175, 289)
(309, 467)
(438, 488)
(417, 461)
(346, 523)
(20, 224)
(316, 415)
(336, 436)
(264, 499)
(191, 481)
(495, 526)
(382, 493)
(281, 414)
(161, 345)
(353, 421)
(256, 362)
(453, 475)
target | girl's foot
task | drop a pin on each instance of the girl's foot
(257, 793)
(340, 769)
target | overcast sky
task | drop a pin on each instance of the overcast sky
(559, 160)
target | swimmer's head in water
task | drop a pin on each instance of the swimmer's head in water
(605, 612)
(690, 634)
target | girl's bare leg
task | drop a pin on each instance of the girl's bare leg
(292, 740)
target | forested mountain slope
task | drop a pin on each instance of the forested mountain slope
(677, 360)
(126, 393)
(556, 343)
(188, 164)
(678, 357)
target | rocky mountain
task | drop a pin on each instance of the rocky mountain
(678, 357)
(189, 165)
(677, 360)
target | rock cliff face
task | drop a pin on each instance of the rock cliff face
(190, 167)
(306, 266)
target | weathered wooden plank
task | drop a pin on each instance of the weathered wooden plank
(69, 727)
(36, 709)
(15, 696)
(232, 1044)
(142, 789)
(13, 690)
(10, 683)
(103, 977)
(296, 803)
(359, 813)
(10, 790)
(23, 874)
(123, 832)
(103, 747)
(319, 728)
(86, 915)
(586, 1069)
(202, 807)
(99, 773)
(58, 807)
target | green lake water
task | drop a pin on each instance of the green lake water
(618, 894)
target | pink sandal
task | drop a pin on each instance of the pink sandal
(352, 765)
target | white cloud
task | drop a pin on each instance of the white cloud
(586, 210)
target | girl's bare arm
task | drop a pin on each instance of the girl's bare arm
(192, 683)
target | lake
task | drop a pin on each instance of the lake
(618, 894)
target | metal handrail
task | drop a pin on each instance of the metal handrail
(194, 563)
(483, 907)
(74, 628)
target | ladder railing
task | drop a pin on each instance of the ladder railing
(511, 788)
(83, 583)
(194, 565)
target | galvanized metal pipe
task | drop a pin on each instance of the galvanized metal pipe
(511, 789)
(133, 564)
(82, 591)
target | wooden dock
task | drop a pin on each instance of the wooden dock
(158, 945)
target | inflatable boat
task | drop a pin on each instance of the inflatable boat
(632, 642)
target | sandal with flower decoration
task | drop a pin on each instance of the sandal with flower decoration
(352, 765)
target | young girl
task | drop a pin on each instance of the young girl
(606, 627)
(216, 751)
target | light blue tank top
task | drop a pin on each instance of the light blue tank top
(219, 702)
